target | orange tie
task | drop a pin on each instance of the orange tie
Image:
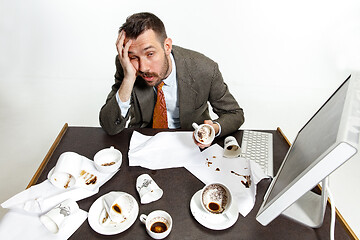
(160, 113)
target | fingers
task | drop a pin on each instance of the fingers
(120, 43)
(127, 46)
(214, 125)
(208, 122)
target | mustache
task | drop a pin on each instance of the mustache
(147, 74)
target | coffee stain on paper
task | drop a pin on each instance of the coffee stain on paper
(88, 177)
(246, 182)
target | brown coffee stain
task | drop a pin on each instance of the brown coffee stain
(247, 182)
(116, 208)
(88, 177)
(91, 180)
(108, 164)
(105, 218)
(68, 182)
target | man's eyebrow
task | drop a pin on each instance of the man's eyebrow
(144, 50)
(147, 48)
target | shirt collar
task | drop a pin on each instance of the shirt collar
(171, 79)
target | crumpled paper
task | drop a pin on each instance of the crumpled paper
(164, 150)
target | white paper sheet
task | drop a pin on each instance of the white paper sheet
(238, 174)
(164, 150)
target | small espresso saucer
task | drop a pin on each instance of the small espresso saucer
(212, 221)
(97, 208)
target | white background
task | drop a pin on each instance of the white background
(281, 59)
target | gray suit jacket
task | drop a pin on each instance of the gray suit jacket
(199, 82)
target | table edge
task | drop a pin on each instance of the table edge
(47, 156)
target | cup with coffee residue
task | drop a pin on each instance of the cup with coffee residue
(231, 147)
(158, 224)
(204, 133)
(216, 199)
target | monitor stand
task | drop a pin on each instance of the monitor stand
(310, 208)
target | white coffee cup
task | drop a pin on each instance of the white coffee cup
(118, 206)
(216, 198)
(66, 170)
(108, 160)
(53, 219)
(147, 188)
(231, 147)
(204, 133)
(158, 224)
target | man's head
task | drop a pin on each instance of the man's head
(138, 23)
(150, 48)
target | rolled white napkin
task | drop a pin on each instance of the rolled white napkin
(16, 225)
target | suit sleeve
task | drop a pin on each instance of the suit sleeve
(110, 116)
(231, 116)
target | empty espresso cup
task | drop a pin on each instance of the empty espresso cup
(204, 133)
(118, 206)
(53, 219)
(158, 224)
(147, 188)
(216, 198)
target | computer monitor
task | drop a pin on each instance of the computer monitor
(328, 139)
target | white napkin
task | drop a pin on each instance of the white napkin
(164, 150)
(44, 196)
(235, 173)
(16, 225)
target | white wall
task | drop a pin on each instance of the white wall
(281, 59)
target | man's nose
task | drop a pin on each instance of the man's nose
(143, 65)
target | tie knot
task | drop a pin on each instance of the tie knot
(160, 85)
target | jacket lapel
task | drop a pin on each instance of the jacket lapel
(145, 96)
(186, 92)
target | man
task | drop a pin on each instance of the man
(146, 60)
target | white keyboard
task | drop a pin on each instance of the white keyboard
(258, 146)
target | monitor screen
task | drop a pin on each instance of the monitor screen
(313, 139)
(319, 148)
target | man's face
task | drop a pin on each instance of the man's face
(150, 57)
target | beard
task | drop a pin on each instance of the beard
(164, 73)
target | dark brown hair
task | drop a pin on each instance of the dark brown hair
(137, 23)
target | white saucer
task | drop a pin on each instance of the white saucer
(94, 216)
(212, 221)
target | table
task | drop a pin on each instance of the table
(179, 185)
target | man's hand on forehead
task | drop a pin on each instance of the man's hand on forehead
(123, 51)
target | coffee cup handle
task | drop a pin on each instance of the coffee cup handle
(195, 126)
(143, 218)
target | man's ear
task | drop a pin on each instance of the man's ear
(168, 46)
